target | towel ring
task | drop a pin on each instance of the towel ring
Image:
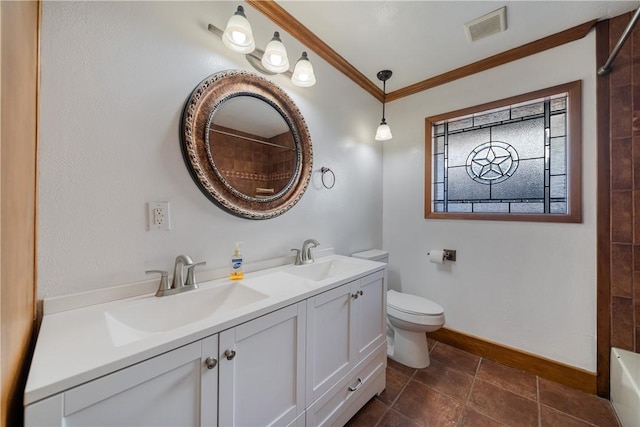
(333, 177)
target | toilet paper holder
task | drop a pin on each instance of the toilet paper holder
(448, 254)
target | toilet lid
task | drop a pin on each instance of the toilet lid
(413, 304)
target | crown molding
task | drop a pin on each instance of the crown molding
(540, 45)
(288, 23)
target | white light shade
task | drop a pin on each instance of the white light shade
(303, 75)
(237, 35)
(384, 132)
(275, 55)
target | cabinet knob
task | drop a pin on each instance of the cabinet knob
(230, 354)
(360, 293)
(354, 295)
(211, 362)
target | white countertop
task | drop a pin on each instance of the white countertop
(77, 346)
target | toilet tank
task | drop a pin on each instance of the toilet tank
(373, 255)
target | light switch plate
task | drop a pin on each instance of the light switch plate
(158, 216)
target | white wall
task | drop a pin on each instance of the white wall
(115, 76)
(527, 285)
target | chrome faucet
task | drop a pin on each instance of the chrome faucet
(304, 256)
(179, 283)
(178, 271)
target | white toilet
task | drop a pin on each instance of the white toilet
(409, 317)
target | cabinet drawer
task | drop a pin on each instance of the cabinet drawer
(343, 400)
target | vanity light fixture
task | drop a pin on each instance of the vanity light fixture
(303, 75)
(275, 58)
(384, 131)
(237, 35)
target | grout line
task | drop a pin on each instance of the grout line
(434, 347)
(466, 402)
(475, 377)
(413, 423)
(571, 416)
(384, 414)
(389, 407)
(410, 378)
(403, 389)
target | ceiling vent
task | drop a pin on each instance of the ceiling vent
(486, 25)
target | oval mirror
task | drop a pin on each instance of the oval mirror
(246, 144)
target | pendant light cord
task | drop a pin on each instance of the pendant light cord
(384, 97)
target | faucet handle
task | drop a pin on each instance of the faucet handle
(191, 274)
(164, 279)
(298, 261)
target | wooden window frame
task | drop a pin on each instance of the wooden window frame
(574, 157)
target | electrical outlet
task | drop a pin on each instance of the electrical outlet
(158, 215)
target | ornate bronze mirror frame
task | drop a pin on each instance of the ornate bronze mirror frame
(246, 144)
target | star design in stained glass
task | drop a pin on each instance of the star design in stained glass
(492, 162)
(492, 165)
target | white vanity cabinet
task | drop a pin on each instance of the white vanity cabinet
(163, 391)
(253, 374)
(346, 349)
(310, 360)
(262, 370)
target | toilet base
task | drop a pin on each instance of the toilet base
(408, 348)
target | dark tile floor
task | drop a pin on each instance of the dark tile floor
(462, 389)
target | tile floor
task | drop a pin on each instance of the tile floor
(462, 389)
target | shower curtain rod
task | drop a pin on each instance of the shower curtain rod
(606, 68)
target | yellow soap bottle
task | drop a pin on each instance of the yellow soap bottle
(236, 264)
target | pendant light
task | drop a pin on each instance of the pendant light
(237, 35)
(303, 75)
(275, 58)
(384, 131)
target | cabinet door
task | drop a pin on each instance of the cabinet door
(209, 382)
(262, 370)
(331, 349)
(164, 390)
(370, 313)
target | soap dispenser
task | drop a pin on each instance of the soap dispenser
(236, 264)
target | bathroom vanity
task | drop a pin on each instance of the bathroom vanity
(288, 345)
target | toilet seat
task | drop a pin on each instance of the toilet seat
(414, 309)
(413, 304)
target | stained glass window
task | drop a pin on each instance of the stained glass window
(512, 158)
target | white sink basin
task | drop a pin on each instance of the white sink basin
(321, 270)
(141, 318)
